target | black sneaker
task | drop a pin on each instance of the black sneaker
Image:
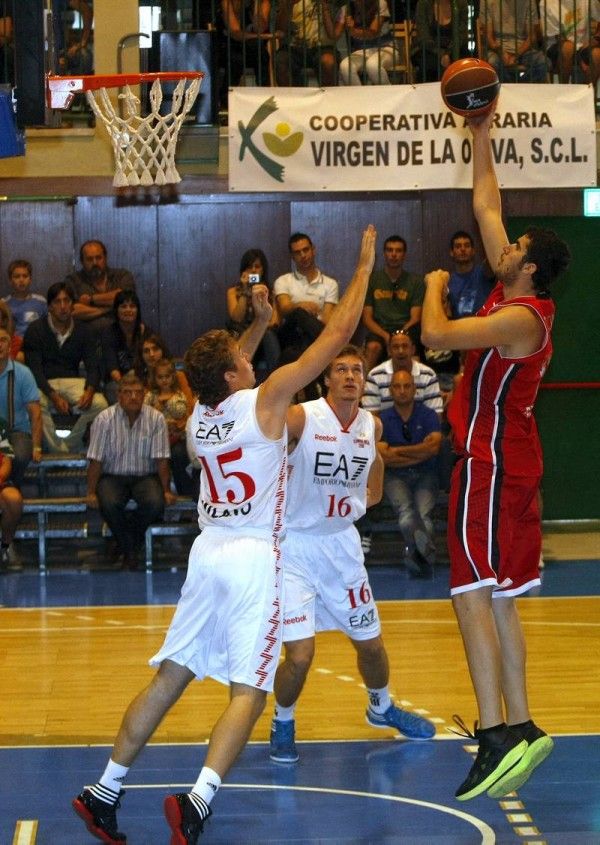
(184, 819)
(539, 746)
(494, 759)
(100, 817)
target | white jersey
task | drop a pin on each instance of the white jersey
(242, 482)
(327, 483)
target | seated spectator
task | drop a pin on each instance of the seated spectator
(512, 32)
(25, 306)
(306, 42)
(305, 299)
(20, 411)
(377, 395)
(153, 350)
(572, 43)
(11, 507)
(16, 343)
(370, 41)
(244, 39)
(129, 459)
(96, 286)
(55, 347)
(432, 41)
(409, 444)
(394, 301)
(121, 342)
(166, 396)
(241, 313)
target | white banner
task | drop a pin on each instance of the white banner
(402, 138)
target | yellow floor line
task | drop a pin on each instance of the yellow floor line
(25, 832)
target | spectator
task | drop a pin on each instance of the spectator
(394, 301)
(166, 396)
(432, 42)
(377, 396)
(571, 32)
(306, 42)
(305, 298)
(20, 410)
(470, 283)
(16, 343)
(512, 31)
(370, 41)
(241, 314)
(25, 306)
(96, 286)
(409, 445)
(153, 350)
(245, 37)
(129, 459)
(11, 505)
(55, 348)
(121, 342)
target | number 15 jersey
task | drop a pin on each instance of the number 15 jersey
(243, 477)
(327, 483)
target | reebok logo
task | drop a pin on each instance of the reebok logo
(329, 438)
(295, 619)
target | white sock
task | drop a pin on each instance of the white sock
(110, 784)
(205, 789)
(379, 699)
(284, 714)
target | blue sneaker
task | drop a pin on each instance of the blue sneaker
(409, 724)
(282, 745)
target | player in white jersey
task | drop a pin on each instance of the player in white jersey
(335, 473)
(228, 623)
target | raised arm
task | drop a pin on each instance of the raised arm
(277, 391)
(263, 312)
(487, 205)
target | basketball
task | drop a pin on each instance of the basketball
(470, 87)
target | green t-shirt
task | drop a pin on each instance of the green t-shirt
(391, 301)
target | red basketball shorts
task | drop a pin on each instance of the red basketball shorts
(494, 531)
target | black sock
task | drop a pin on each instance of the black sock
(522, 726)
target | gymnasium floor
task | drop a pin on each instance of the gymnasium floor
(73, 650)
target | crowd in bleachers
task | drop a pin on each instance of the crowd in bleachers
(81, 371)
(325, 42)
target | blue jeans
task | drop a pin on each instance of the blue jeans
(534, 63)
(129, 527)
(413, 496)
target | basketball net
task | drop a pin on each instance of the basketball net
(144, 147)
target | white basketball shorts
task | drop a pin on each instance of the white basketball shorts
(326, 586)
(227, 624)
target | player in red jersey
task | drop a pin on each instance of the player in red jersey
(494, 533)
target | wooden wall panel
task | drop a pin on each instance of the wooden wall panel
(200, 246)
(129, 232)
(42, 233)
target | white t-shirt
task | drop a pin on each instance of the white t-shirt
(321, 290)
(568, 18)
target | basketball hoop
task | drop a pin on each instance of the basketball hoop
(144, 147)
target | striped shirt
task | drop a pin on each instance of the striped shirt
(377, 395)
(125, 449)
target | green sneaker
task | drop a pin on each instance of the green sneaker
(494, 759)
(539, 746)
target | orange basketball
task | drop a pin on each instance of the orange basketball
(470, 87)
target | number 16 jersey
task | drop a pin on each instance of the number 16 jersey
(327, 483)
(243, 477)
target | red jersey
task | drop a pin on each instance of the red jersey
(491, 413)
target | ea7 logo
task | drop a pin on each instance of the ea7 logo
(214, 433)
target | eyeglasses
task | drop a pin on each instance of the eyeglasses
(406, 432)
(400, 331)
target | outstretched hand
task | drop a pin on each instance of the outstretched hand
(482, 122)
(367, 248)
(260, 302)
